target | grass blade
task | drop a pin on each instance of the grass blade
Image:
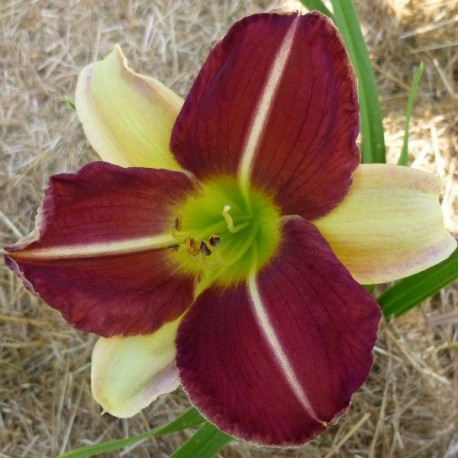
(186, 420)
(70, 102)
(317, 5)
(404, 156)
(205, 443)
(373, 143)
(410, 291)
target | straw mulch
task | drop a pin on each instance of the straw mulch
(407, 408)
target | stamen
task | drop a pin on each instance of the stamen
(248, 242)
(204, 249)
(174, 247)
(205, 263)
(230, 221)
(217, 253)
(192, 246)
(214, 240)
(179, 223)
(177, 228)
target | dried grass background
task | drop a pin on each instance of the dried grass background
(407, 408)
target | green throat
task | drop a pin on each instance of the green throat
(222, 234)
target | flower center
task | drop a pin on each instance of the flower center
(221, 233)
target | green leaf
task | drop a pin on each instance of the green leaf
(404, 156)
(186, 420)
(373, 143)
(205, 443)
(70, 102)
(369, 288)
(317, 5)
(410, 291)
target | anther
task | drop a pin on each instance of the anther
(173, 247)
(214, 240)
(192, 246)
(178, 222)
(204, 249)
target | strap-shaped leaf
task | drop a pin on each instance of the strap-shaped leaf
(404, 156)
(410, 291)
(205, 443)
(318, 5)
(373, 143)
(186, 420)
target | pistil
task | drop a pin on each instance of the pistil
(230, 221)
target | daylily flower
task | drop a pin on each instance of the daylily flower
(224, 246)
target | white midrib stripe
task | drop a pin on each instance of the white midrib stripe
(280, 356)
(97, 249)
(264, 105)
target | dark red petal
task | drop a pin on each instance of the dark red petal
(304, 150)
(275, 369)
(119, 291)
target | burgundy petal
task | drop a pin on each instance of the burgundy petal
(96, 254)
(276, 102)
(274, 361)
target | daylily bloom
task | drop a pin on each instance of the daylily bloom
(224, 246)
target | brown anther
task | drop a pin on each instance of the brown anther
(173, 247)
(204, 249)
(214, 240)
(178, 222)
(192, 246)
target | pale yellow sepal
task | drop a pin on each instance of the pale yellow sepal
(128, 373)
(127, 117)
(390, 224)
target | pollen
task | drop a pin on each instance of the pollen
(192, 246)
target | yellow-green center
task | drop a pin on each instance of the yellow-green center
(223, 234)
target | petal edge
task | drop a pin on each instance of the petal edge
(128, 373)
(279, 101)
(99, 251)
(389, 225)
(127, 117)
(275, 361)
